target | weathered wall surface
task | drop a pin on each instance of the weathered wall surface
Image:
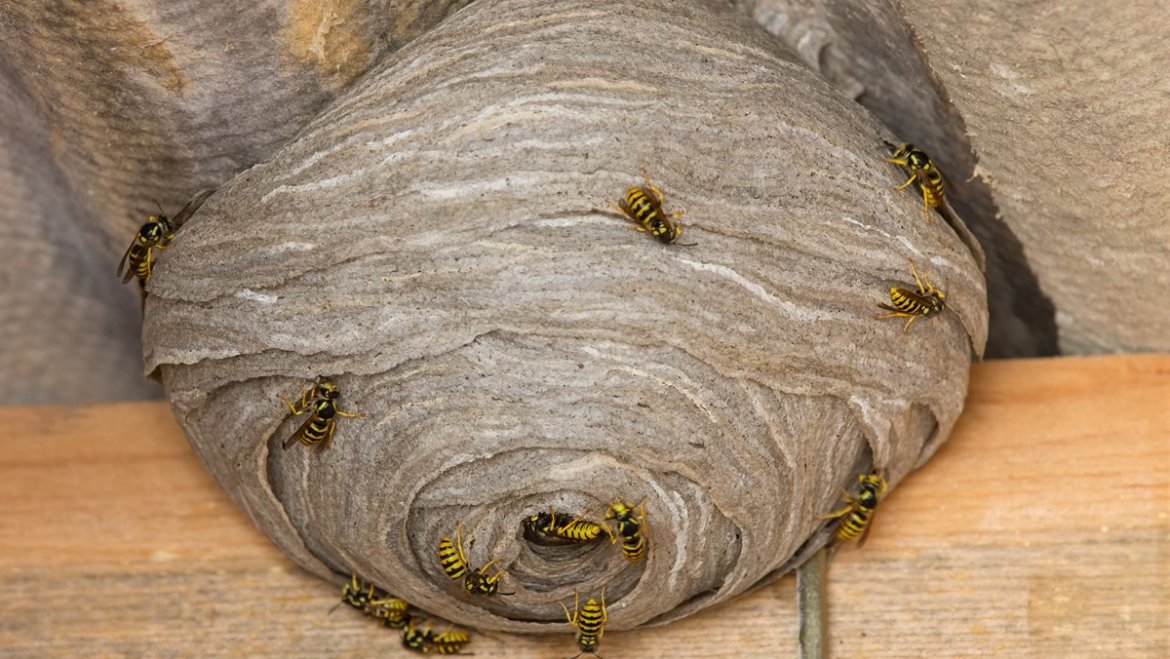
(1068, 107)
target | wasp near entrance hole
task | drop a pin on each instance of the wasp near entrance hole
(562, 529)
(455, 566)
(629, 521)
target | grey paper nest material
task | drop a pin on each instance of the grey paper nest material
(430, 242)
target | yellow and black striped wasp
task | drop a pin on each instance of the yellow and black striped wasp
(455, 566)
(414, 638)
(427, 642)
(642, 205)
(318, 429)
(859, 510)
(392, 611)
(358, 594)
(923, 172)
(926, 301)
(590, 622)
(629, 521)
(375, 602)
(553, 528)
(152, 237)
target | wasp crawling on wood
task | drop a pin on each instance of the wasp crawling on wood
(322, 422)
(562, 529)
(858, 511)
(590, 622)
(923, 172)
(358, 594)
(629, 521)
(427, 642)
(454, 564)
(926, 301)
(392, 611)
(643, 206)
(152, 237)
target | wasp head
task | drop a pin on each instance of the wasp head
(327, 390)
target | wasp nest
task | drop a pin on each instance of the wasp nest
(437, 243)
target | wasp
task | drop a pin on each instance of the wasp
(359, 594)
(926, 301)
(153, 237)
(319, 427)
(563, 528)
(450, 641)
(393, 612)
(643, 206)
(454, 564)
(923, 172)
(858, 511)
(629, 521)
(590, 622)
(427, 642)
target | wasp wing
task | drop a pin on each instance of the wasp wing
(122, 264)
(191, 207)
(300, 433)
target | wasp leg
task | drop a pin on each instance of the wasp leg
(925, 205)
(299, 408)
(652, 188)
(843, 510)
(907, 183)
(329, 437)
(572, 619)
(917, 278)
(349, 415)
(898, 314)
(459, 543)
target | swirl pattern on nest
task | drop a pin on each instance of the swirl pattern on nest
(431, 243)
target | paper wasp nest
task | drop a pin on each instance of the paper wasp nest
(432, 243)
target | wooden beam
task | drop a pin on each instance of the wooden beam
(1041, 529)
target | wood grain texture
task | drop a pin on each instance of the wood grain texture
(1041, 529)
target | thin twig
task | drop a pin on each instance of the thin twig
(810, 605)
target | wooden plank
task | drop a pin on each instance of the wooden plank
(1042, 529)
